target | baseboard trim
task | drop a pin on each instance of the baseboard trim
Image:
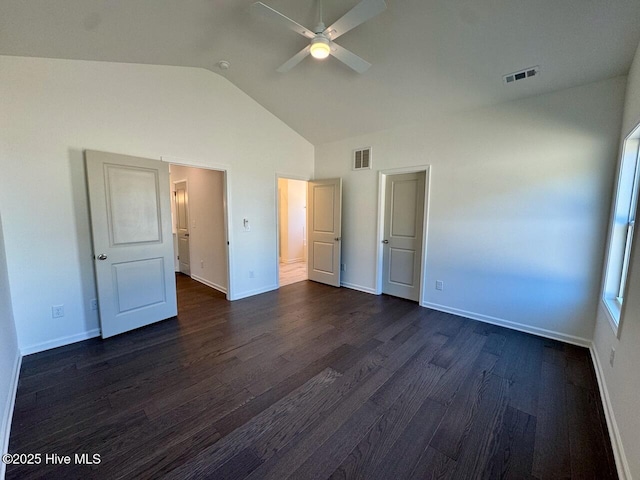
(257, 291)
(541, 332)
(215, 286)
(622, 465)
(360, 288)
(7, 416)
(60, 342)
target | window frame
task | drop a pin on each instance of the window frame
(622, 229)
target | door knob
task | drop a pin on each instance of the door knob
(102, 256)
(385, 241)
(186, 234)
(337, 239)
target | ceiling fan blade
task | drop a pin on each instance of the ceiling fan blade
(349, 59)
(359, 14)
(267, 11)
(293, 61)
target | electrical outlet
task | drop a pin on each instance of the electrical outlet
(57, 311)
(94, 304)
(201, 263)
(439, 285)
(612, 356)
(251, 275)
(343, 267)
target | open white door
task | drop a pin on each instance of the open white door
(132, 241)
(324, 224)
(182, 227)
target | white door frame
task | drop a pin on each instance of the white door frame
(382, 181)
(226, 200)
(285, 176)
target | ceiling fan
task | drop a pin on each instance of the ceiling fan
(322, 38)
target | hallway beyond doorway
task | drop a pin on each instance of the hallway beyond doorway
(293, 273)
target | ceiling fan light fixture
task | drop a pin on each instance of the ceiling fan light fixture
(320, 48)
(321, 39)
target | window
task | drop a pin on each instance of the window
(623, 223)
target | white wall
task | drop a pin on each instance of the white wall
(519, 200)
(623, 380)
(54, 109)
(9, 355)
(207, 240)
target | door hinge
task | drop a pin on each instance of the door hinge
(178, 257)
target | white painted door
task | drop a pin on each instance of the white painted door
(324, 225)
(403, 227)
(182, 227)
(132, 240)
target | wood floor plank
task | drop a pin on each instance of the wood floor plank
(401, 353)
(353, 355)
(586, 437)
(168, 454)
(555, 356)
(303, 419)
(253, 407)
(463, 410)
(407, 451)
(445, 324)
(332, 451)
(513, 457)
(495, 343)
(551, 454)
(579, 372)
(303, 445)
(464, 340)
(433, 465)
(239, 466)
(86, 441)
(211, 459)
(471, 359)
(521, 365)
(399, 325)
(483, 439)
(399, 399)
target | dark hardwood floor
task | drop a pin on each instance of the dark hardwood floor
(312, 382)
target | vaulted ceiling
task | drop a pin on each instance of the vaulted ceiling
(430, 57)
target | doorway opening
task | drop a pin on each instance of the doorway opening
(292, 230)
(199, 220)
(403, 201)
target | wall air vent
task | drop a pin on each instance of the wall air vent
(521, 75)
(362, 159)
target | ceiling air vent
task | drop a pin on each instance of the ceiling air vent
(362, 159)
(521, 75)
